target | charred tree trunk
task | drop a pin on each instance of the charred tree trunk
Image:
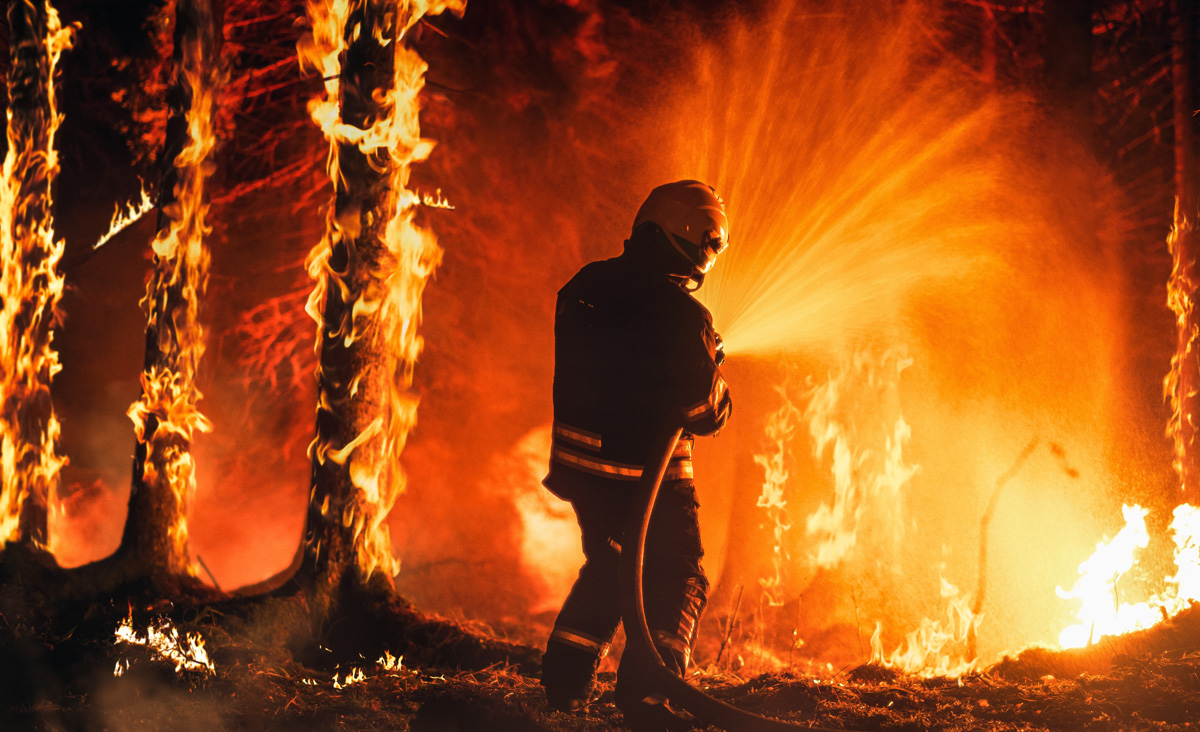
(154, 542)
(370, 270)
(354, 367)
(1183, 384)
(30, 284)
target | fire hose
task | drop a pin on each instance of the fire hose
(637, 632)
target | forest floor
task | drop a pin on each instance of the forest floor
(83, 678)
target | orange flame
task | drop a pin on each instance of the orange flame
(1181, 288)
(390, 312)
(936, 647)
(187, 652)
(1101, 612)
(781, 428)
(124, 217)
(864, 472)
(172, 303)
(30, 289)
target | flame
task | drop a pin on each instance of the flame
(781, 428)
(390, 663)
(389, 310)
(1186, 580)
(1179, 385)
(1101, 612)
(844, 419)
(436, 200)
(172, 303)
(188, 653)
(936, 647)
(355, 676)
(125, 217)
(30, 283)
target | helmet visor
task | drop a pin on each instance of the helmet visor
(711, 245)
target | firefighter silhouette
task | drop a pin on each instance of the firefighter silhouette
(632, 349)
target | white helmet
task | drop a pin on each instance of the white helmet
(692, 216)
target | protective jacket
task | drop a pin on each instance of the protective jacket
(632, 349)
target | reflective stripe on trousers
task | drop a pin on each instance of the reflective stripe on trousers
(680, 468)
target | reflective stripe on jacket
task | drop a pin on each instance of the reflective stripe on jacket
(632, 349)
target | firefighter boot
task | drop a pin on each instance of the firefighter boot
(646, 710)
(568, 673)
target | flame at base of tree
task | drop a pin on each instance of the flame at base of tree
(370, 270)
(166, 417)
(30, 284)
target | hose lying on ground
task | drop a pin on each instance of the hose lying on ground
(633, 611)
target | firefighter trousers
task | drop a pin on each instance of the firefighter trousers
(674, 587)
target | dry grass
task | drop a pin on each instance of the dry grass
(266, 680)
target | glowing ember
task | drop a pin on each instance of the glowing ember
(383, 307)
(187, 653)
(30, 283)
(125, 217)
(166, 416)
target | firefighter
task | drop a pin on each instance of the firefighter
(633, 349)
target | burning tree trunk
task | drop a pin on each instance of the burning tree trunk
(30, 284)
(370, 270)
(1183, 382)
(166, 416)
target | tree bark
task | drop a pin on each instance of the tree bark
(1183, 383)
(155, 541)
(371, 270)
(30, 284)
(355, 366)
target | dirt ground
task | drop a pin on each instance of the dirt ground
(69, 681)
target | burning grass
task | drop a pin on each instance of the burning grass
(382, 665)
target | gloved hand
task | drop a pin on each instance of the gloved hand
(720, 349)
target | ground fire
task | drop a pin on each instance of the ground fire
(958, 488)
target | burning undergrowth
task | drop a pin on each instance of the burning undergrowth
(262, 670)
